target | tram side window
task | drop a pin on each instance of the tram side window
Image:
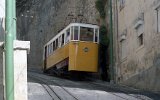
(67, 35)
(48, 50)
(45, 52)
(72, 33)
(96, 35)
(62, 39)
(76, 29)
(86, 34)
(54, 46)
(51, 47)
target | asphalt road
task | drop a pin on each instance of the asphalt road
(43, 87)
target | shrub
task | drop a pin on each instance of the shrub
(100, 6)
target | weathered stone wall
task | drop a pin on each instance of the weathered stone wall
(2, 21)
(2, 32)
(1, 73)
(39, 21)
(141, 67)
(2, 26)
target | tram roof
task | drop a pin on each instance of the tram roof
(70, 25)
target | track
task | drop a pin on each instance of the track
(55, 96)
(123, 93)
(135, 94)
(47, 88)
(111, 89)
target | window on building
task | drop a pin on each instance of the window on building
(123, 49)
(140, 40)
(122, 4)
(158, 19)
(140, 33)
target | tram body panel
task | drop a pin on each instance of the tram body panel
(75, 48)
(83, 56)
(58, 56)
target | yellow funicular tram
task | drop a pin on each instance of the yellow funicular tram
(75, 48)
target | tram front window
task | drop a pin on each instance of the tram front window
(86, 34)
(76, 33)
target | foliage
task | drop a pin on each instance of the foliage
(104, 40)
(100, 6)
(103, 29)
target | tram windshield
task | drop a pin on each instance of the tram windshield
(86, 34)
(76, 33)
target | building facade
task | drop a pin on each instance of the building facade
(137, 43)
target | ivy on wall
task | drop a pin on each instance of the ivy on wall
(104, 40)
(100, 6)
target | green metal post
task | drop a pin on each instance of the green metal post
(14, 20)
(111, 44)
(9, 64)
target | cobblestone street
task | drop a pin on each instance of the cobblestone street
(43, 87)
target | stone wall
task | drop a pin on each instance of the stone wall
(2, 26)
(2, 32)
(1, 73)
(39, 21)
(141, 66)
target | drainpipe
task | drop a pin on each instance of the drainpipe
(9, 61)
(111, 44)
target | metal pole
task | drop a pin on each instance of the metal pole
(14, 20)
(9, 65)
(111, 44)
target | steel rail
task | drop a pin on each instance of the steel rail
(123, 91)
(57, 85)
(46, 88)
